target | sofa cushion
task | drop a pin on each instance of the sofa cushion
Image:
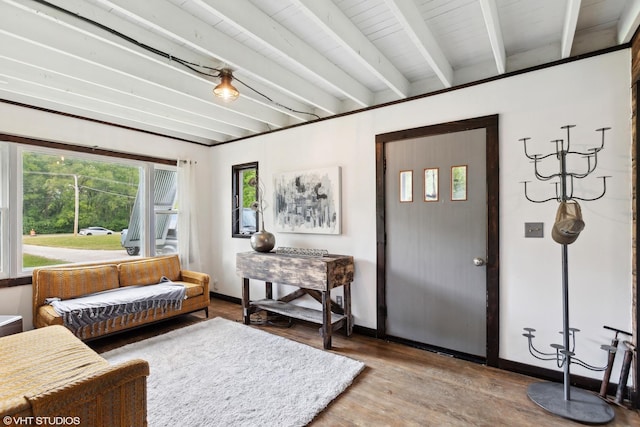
(193, 289)
(73, 282)
(149, 271)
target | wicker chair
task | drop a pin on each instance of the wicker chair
(52, 376)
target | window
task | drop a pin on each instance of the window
(165, 216)
(75, 206)
(244, 218)
(64, 207)
(165, 191)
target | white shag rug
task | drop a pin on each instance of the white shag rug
(223, 373)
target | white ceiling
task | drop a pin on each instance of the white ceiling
(298, 60)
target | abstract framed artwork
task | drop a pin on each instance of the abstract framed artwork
(308, 201)
(459, 183)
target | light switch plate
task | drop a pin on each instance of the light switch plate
(533, 229)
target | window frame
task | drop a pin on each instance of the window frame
(5, 212)
(236, 188)
(11, 147)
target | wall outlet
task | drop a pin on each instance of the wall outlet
(533, 229)
(339, 300)
(215, 284)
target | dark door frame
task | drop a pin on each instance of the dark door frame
(490, 123)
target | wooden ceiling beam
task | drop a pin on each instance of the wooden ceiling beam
(417, 30)
(340, 28)
(569, 28)
(629, 21)
(492, 22)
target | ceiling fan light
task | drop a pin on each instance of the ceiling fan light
(225, 90)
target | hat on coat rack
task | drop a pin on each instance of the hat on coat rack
(568, 223)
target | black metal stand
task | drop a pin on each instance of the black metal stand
(562, 399)
(583, 406)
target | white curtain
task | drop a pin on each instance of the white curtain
(188, 245)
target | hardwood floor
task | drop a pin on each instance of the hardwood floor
(401, 386)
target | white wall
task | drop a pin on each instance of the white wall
(590, 93)
(54, 127)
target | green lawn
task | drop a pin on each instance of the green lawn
(107, 242)
(29, 261)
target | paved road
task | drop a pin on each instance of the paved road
(74, 255)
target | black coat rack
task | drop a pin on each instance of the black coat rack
(562, 399)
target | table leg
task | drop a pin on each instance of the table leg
(347, 308)
(268, 289)
(245, 301)
(326, 319)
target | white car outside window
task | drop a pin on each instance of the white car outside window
(95, 231)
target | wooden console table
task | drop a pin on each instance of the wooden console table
(314, 276)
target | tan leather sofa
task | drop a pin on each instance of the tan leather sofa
(50, 377)
(74, 281)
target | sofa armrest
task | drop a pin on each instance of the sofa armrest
(46, 316)
(196, 277)
(116, 396)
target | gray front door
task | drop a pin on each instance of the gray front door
(436, 233)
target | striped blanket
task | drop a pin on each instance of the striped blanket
(83, 312)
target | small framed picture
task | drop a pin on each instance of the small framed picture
(406, 186)
(459, 183)
(431, 186)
